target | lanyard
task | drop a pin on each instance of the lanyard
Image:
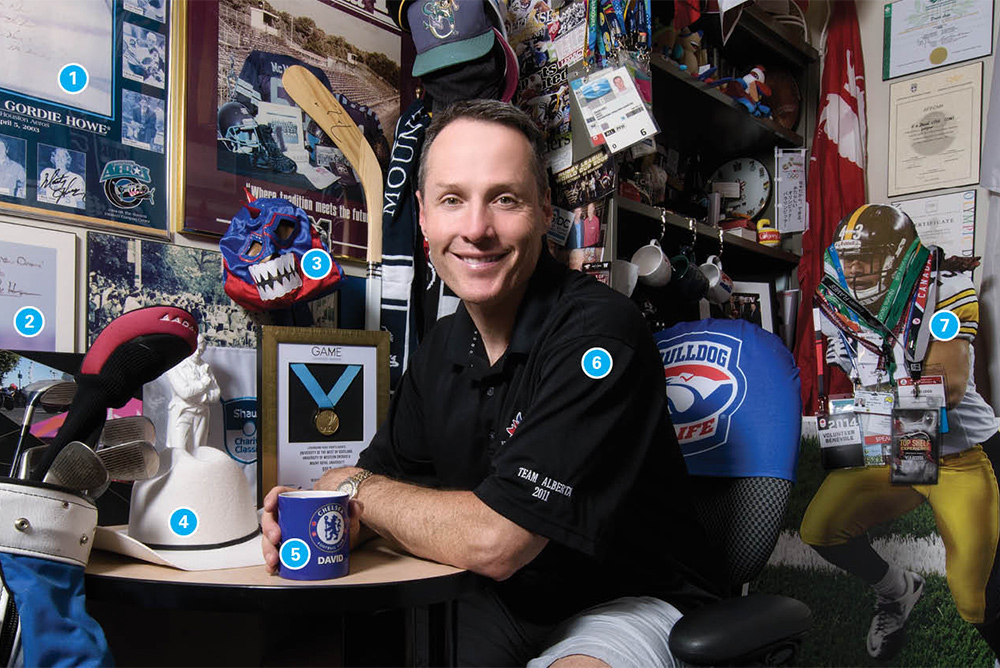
(903, 282)
(832, 300)
(834, 259)
(838, 295)
(845, 301)
(590, 46)
(324, 399)
(918, 324)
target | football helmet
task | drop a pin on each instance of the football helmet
(871, 243)
(237, 128)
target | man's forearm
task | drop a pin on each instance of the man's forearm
(452, 527)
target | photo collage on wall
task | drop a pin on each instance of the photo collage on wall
(259, 138)
(83, 112)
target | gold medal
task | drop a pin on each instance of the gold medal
(327, 422)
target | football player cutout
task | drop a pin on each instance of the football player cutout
(194, 389)
(878, 260)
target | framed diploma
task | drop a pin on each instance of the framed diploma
(924, 34)
(934, 130)
(323, 393)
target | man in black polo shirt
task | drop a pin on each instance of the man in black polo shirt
(529, 440)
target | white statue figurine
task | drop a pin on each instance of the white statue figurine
(194, 388)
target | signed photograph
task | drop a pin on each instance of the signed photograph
(62, 176)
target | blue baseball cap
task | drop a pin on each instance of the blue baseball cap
(447, 34)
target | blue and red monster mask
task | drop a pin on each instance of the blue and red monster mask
(262, 256)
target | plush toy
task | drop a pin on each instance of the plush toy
(664, 38)
(749, 91)
(754, 84)
(687, 50)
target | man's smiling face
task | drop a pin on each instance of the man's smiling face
(481, 212)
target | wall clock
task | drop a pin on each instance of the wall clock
(754, 187)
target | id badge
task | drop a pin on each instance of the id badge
(916, 446)
(873, 401)
(612, 109)
(928, 392)
(874, 411)
(840, 440)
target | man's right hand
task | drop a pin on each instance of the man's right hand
(271, 540)
(270, 529)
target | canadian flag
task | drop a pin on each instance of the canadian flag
(836, 182)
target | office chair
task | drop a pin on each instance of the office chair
(733, 396)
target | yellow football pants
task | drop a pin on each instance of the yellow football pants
(965, 503)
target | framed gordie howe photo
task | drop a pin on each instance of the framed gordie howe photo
(241, 130)
(323, 394)
(84, 92)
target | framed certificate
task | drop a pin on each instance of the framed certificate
(934, 130)
(948, 221)
(923, 34)
(323, 394)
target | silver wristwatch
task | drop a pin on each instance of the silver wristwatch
(352, 484)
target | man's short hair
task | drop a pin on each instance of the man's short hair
(490, 111)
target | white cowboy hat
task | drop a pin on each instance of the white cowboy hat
(196, 514)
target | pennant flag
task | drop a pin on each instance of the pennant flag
(836, 179)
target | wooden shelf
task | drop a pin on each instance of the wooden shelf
(635, 223)
(762, 130)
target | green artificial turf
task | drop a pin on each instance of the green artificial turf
(842, 609)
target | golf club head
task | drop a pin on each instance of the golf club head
(29, 458)
(126, 430)
(77, 467)
(58, 397)
(134, 349)
(53, 395)
(126, 462)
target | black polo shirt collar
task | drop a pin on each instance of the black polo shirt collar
(464, 344)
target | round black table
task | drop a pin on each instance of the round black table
(380, 578)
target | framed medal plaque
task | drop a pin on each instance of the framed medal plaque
(323, 393)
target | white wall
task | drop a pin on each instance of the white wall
(870, 22)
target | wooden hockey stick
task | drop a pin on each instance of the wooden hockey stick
(316, 100)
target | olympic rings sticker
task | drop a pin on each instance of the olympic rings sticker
(596, 363)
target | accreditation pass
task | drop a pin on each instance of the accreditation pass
(612, 109)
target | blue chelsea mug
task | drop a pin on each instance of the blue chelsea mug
(315, 540)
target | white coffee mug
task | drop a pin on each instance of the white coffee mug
(654, 266)
(720, 286)
(624, 274)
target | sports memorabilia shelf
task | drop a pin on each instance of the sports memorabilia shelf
(696, 118)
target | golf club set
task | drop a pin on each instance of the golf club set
(124, 451)
(47, 510)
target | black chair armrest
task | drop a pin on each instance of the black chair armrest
(738, 630)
